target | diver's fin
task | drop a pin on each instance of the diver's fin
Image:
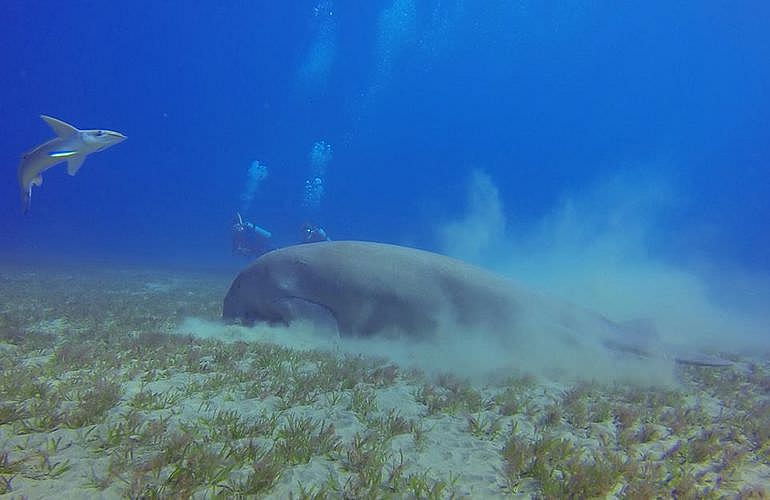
(59, 127)
(74, 164)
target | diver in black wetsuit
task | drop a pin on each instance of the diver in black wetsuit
(312, 234)
(249, 239)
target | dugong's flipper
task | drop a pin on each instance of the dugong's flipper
(316, 314)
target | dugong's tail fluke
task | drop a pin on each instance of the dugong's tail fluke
(640, 338)
(697, 359)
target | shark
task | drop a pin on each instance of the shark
(70, 144)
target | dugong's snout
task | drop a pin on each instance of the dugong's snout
(232, 312)
(247, 306)
(235, 310)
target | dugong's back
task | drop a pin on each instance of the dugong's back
(373, 287)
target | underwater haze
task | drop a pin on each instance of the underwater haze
(605, 153)
(548, 99)
(610, 154)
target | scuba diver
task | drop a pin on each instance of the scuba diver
(249, 239)
(312, 233)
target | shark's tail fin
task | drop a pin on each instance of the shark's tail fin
(26, 200)
(26, 194)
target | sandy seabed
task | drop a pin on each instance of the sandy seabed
(122, 384)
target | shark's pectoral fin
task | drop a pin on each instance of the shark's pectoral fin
(59, 127)
(37, 181)
(74, 164)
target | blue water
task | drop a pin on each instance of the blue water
(548, 98)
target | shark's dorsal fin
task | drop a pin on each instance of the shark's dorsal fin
(59, 127)
(73, 164)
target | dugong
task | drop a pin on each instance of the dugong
(364, 289)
